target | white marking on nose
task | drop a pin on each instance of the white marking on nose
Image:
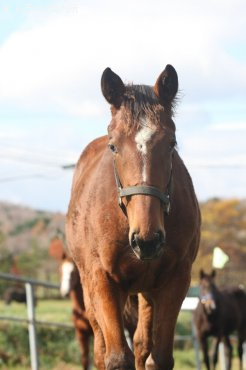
(66, 271)
(142, 138)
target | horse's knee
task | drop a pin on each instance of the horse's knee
(99, 362)
(141, 351)
(142, 348)
(123, 361)
(99, 351)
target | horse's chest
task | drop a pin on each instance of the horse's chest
(135, 275)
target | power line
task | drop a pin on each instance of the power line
(68, 166)
(35, 162)
(21, 177)
(43, 153)
(27, 177)
(33, 157)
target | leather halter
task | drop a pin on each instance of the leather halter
(142, 190)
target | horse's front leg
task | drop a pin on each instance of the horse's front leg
(240, 341)
(215, 354)
(204, 345)
(143, 333)
(84, 343)
(104, 303)
(167, 304)
(228, 352)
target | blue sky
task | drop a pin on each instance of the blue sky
(52, 55)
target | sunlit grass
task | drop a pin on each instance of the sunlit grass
(60, 311)
(46, 310)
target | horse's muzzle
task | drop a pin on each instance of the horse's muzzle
(148, 249)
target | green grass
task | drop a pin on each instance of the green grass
(48, 310)
(184, 359)
(58, 348)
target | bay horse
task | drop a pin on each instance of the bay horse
(70, 285)
(133, 224)
(220, 313)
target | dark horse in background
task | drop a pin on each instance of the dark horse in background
(16, 294)
(133, 224)
(70, 285)
(220, 313)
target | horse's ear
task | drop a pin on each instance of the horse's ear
(166, 86)
(202, 274)
(56, 249)
(213, 273)
(112, 87)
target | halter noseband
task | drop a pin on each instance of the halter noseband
(142, 190)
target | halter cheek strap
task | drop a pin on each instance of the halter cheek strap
(142, 190)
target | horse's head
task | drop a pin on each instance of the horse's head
(142, 140)
(208, 291)
(69, 275)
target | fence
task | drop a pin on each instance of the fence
(31, 320)
(189, 304)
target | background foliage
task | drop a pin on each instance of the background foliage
(25, 235)
(223, 225)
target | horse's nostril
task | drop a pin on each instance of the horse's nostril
(134, 240)
(160, 237)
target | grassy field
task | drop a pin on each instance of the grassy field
(58, 349)
(48, 310)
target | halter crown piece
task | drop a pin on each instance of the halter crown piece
(142, 190)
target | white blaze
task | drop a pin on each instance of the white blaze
(66, 270)
(142, 138)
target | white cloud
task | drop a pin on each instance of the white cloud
(230, 126)
(52, 67)
(57, 63)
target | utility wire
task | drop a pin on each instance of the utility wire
(21, 177)
(34, 161)
(29, 176)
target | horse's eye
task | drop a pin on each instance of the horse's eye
(112, 148)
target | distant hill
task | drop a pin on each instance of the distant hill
(25, 235)
(20, 226)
